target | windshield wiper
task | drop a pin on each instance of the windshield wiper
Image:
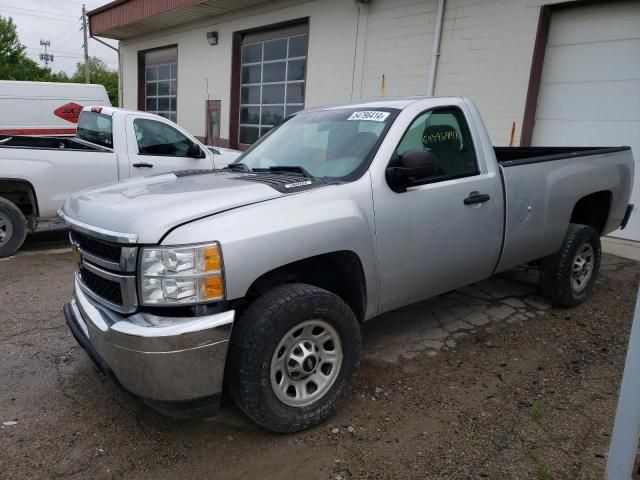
(285, 169)
(241, 167)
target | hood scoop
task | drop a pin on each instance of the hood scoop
(283, 183)
(191, 173)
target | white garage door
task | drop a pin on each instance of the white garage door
(590, 88)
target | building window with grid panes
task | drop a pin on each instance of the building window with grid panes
(161, 82)
(272, 83)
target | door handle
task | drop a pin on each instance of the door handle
(142, 165)
(476, 197)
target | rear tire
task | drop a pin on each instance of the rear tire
(293, 356)
(567, 277)
(13, 228)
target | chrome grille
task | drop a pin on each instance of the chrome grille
(99, 248)
(112, 256)
(106, 271)
(103, 288)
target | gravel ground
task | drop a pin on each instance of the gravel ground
(486, 382)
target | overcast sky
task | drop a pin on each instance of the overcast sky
(59, 22)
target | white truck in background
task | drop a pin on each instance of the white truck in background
(37, 174)
(45, 108)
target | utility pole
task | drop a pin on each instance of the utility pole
(46, 57)
(86, 45)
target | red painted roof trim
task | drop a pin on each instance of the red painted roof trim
(125, 12)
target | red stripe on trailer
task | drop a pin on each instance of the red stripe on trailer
(37, 131)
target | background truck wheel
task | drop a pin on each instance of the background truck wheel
(13, 228)
(567, 278)
(293, 355)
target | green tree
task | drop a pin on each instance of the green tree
(100, 74)
(14, 63)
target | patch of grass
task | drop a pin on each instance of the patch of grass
(536, 411)
(543, 472)
(560, 438)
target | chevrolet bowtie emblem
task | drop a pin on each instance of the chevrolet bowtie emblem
(77, 256)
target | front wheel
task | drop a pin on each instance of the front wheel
(293, 355)
(567, 277)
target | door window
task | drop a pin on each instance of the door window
(444, 133)
(157, 138)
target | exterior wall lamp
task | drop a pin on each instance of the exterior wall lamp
(212, 38)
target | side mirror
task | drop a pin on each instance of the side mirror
(195, 151)
(409, 165)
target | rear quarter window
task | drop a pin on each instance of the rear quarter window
(95, 128)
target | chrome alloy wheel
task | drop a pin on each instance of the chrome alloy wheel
(582, 267)
(6, 229)
(306, 363)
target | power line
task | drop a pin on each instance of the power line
(70, 54)
(66, 55)
(80, 3)
(41, 16)
(66, 34)
(40, 12)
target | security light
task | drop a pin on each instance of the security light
(212, 38)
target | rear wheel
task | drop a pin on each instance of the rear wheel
(567, 277)
(293, 355)
(13, 228)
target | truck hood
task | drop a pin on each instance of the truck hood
(149, 207)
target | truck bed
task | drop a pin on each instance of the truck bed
(512, 156)
(47, 143)
(540, 195)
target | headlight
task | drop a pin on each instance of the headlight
(181, 275)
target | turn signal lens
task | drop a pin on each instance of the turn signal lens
(212, 259)
(213, 288)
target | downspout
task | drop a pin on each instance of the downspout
(119, 66)
(435, 53)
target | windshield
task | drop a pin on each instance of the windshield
(95, 128)
(338, 144)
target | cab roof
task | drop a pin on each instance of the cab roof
(399, 103)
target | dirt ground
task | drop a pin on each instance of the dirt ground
(505, 387)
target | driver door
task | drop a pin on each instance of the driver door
(432, 238)
(156, 146)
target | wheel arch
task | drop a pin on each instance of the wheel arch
(340, 272)
(593, 210)
(22, 194)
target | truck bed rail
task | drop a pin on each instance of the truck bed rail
(512, 156)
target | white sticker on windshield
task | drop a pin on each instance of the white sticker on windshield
(369, 115)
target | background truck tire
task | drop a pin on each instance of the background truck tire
(567, 277)
(265, 356)
(13, 228)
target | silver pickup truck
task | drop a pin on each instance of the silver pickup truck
(253, 279)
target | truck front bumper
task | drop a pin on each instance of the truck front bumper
(176, 365)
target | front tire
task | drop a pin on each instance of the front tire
(293, 356)
(567, 277)
(13, 228)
